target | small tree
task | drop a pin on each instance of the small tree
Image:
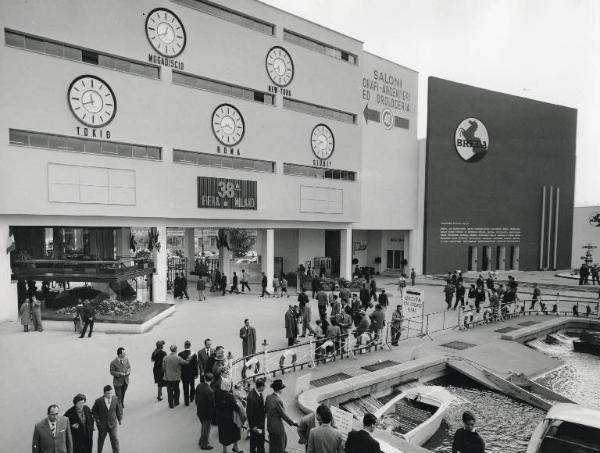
(240, 242)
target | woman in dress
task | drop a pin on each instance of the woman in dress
(82, 425)
(225, 407)
(157, 357)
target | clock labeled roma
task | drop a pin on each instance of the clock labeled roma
(92, 101)
(228, 125)
(322, 141)
(280, 66)
(165, 32)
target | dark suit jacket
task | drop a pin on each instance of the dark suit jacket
(203, 359)
(120, 372)
(205, 402)
(107, 418)
(189, 371)
(43, 442)
(361, 442)
(276, 415)
(255, 410)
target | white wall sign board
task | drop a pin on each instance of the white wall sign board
(343, 421)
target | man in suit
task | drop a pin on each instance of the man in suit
(276, 415)
(52, 434)
(172, 374)
(107, 413)
(189, 373)
(203, 356)
(325, 438)
(263, 284)
(248, 336)
(361, 441)
(256, 417)
(291, 326)
(205, 409)
(120, 369)
(89, 316)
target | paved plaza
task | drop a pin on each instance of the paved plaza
(53, 366)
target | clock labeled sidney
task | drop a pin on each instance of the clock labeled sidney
(280, 66)
(92, 101)
(322, 141)
(165, 32)
(228, 125)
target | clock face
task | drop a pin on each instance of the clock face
(280, 66)
(92, 101)
(165, 32)
(322, 141)
(228, 125)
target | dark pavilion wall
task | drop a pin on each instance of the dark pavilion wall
(497, 200)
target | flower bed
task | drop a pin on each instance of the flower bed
(112, 308)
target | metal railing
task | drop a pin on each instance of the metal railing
(65, 267)
(320, 351)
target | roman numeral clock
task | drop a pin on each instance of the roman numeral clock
(92, 101)
(165, 32)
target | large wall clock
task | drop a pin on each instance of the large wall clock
(280, 66)
(165, 32)
(228, 125)
(322, 141)
(92, 101)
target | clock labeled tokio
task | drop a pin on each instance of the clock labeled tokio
(165, 32)
(280, 66)
(228, 125)
(92, 101)
(322, 141)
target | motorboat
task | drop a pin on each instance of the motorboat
(415, 414)
(567, 428)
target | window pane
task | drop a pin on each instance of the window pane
(151, 71)
(124, 150)
(34, 44)
(203, 159)
(178, 156)
(54, 49)
(240, 164)
(18, 138)
(12, 39)
(215, 161)
(153, 152)
(55, 142)
(351, 176)
(72, 53)
(122, 65)
(109, 148)
(227, 162)
(92, 146)
(263, 166)
(75, 144)
(141, 151)
(106, 61)
(39, 140)
(137, 68)
(88, 56)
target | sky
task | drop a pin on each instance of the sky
(548, 50)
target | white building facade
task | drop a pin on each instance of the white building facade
(196, 114)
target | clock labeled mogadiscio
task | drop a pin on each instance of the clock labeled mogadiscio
(280, 66)
(165, 32)
(92, 101)
(228, 125)
(322, 141)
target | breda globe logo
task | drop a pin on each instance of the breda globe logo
(595, 219)
(471, 140)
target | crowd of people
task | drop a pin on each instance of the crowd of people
(341, 312)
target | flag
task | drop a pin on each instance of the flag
(11, 244)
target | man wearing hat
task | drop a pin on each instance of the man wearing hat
(107, 412)
(363, 325)
(275, 416)
(172, 368)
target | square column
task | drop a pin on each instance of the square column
(190, 250)
(267, 252)
(159, 279)
(346, 254)
(8, 289)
